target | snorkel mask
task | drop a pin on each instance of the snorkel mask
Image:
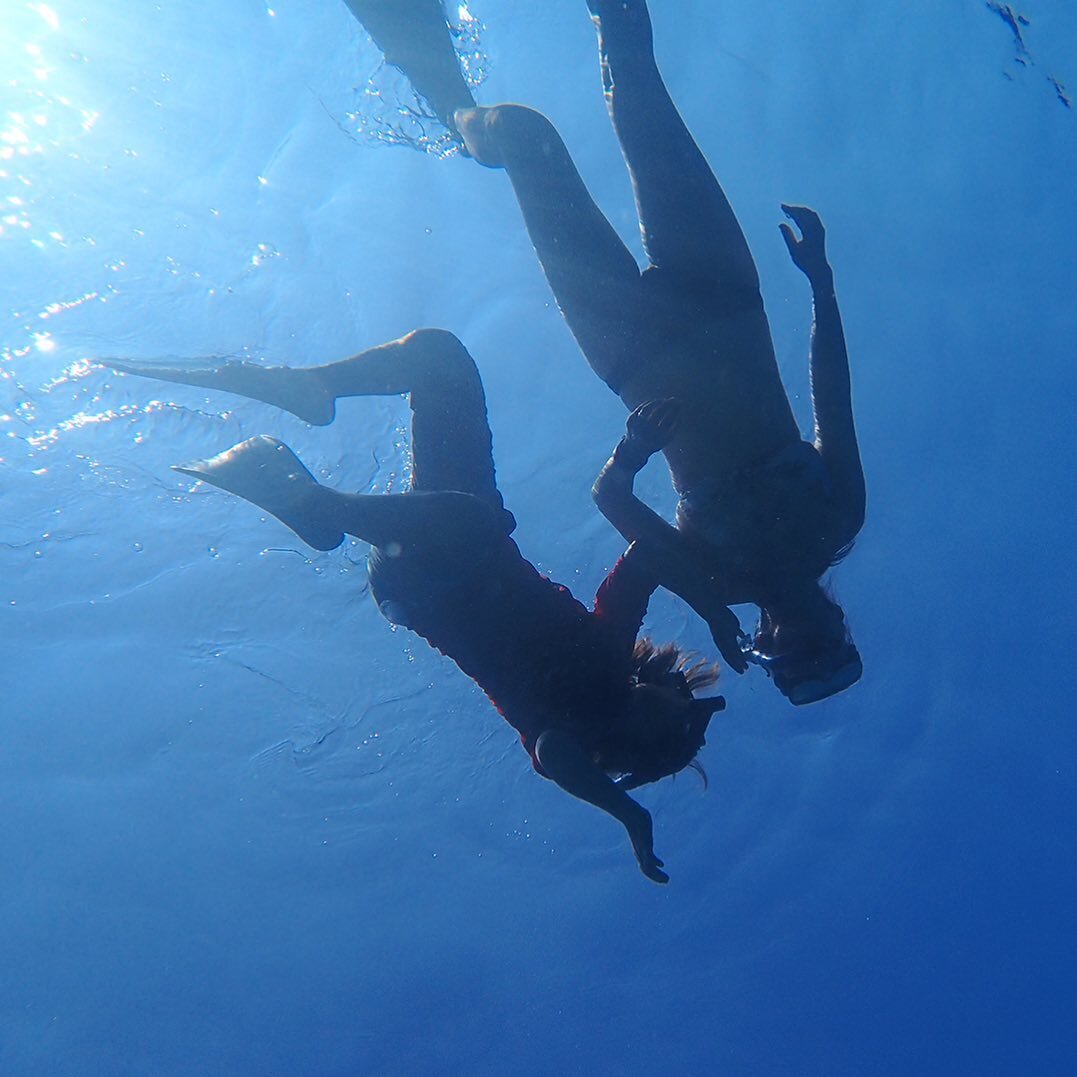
(804, 677)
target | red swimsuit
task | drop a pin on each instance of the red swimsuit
(541, 656)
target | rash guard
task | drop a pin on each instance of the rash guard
(541, 656)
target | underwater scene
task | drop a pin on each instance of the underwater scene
(537, 538)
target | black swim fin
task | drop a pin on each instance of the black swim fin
(294, 390)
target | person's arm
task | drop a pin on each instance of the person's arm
(648, 429)
(835, 431)
(622, 599)
(567, 764)
(657, 548)
(689, 578)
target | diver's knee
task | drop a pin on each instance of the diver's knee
(434, 340)
(518, 129)
(505, 136)
(444, 353)
(515, 121)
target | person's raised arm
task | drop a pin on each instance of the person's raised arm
(567, 764)
(835, 431)
(649, 428)
(657, 547)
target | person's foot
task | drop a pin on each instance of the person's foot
(267, 473)
(475, 127)
(296, 390)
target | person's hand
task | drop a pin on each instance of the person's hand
(651, 426)
(641, 833)
(725, 631)
(808, 252)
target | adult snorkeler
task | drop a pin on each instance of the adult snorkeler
(599, 711)
(762, 514)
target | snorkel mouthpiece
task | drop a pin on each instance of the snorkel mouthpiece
(703, 710)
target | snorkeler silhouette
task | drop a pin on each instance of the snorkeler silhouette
(762, 514)
(600, 711)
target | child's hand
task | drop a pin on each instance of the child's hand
(652, 425)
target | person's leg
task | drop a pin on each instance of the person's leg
(687, 222)
(414, 37)
(451, 448)
(451, 439)
(593, 275)
(267, 473)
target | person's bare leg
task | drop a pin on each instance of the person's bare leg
(450, 436)
(265, 472)
(451, 450)
(687, 222)
(430, 362)
(593, 275)
(414, 37)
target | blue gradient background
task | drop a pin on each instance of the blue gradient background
(248, 829)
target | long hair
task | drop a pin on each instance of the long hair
(829, 626)
(654, 664)
(662, 665)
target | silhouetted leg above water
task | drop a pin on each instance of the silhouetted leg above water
(414, 37)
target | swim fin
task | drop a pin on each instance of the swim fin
(293, 390)
(267, 473)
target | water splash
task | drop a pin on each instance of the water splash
(1018, 23)
(388, 111)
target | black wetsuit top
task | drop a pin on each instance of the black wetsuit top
(542, 657)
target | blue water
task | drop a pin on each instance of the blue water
(250, 830)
